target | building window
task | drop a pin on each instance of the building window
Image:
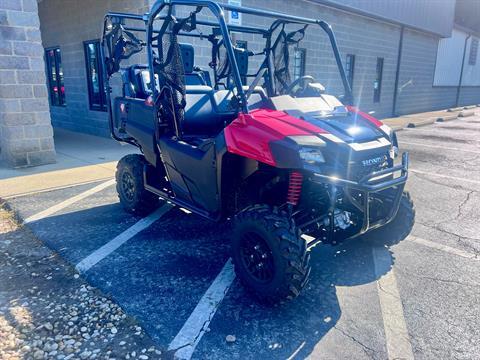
(96, 90)
(299, 63)
(349, 68)
(472, 59)
(377, 85)
(56, 86)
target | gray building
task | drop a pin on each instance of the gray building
(402, 57)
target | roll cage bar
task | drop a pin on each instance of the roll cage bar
(218, 28)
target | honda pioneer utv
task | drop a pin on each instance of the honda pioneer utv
(290, 165)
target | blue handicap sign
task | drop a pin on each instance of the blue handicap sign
(235, 15)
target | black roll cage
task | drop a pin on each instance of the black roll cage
(219, 28)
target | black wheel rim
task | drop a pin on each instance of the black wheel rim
(128, 186)
(257, 257)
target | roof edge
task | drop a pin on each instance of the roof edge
(357, 11)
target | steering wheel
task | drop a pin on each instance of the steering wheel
(304, 81)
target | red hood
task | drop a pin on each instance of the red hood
(250, 134)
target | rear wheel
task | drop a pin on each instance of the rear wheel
(269, 254)
(130, 186)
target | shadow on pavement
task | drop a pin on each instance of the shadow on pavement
(159, 276)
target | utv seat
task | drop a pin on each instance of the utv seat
(193, 75)
(133, 83)
(205, 115)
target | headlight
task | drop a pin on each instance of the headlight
(393, 152)
(311, 156)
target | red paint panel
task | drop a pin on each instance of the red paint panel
(291, 120)
(366, 116)
(250, 134)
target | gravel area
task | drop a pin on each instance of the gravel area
(47, 311)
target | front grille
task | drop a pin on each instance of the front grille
(363, 167)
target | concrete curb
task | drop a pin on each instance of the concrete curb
(466, 113)
(455, 109)
(447, 117)
(421, 123)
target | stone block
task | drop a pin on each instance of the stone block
(16, 119)
(31, 77)
(47, 144)
(12, 33)
(38, 131)
(15, 160)
(11, 4)
(6, 48)
(40, 91)
(3, 17)
(9, 105)
(23, 146)
(27, 49)
(7, 77)
(43, 118)
(30, 5)
(30, 105)
(20, 18)
(37, 63)
(14, 62)
(33, 35)
(11, 133)
(16, 91)
(41, 158)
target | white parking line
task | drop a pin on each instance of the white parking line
(396, 333)
(60, 206)
(415, 171)
(55, 188)
(119, 240)
(439, 147)
(442, 247)
(192, 331)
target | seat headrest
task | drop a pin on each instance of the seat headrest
(241, 56)
(188, 56)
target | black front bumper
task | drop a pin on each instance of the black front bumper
(372, 183)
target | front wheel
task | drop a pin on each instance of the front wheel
(401, 225)
(269, 255)
(130, 186)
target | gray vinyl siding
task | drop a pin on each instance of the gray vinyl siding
(428, 15)
(418, 66)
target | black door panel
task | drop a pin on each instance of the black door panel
(192, 172)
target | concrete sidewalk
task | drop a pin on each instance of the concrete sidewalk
(81, 159)
(428, 118)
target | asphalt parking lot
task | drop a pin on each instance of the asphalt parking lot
(367, 298)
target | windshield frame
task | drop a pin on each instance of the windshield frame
(217, 11)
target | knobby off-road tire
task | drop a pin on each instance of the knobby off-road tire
(130, 186)
(282, 244)
(401, 225)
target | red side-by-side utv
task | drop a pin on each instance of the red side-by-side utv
(280, 158)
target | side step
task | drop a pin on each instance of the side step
(170, 197)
